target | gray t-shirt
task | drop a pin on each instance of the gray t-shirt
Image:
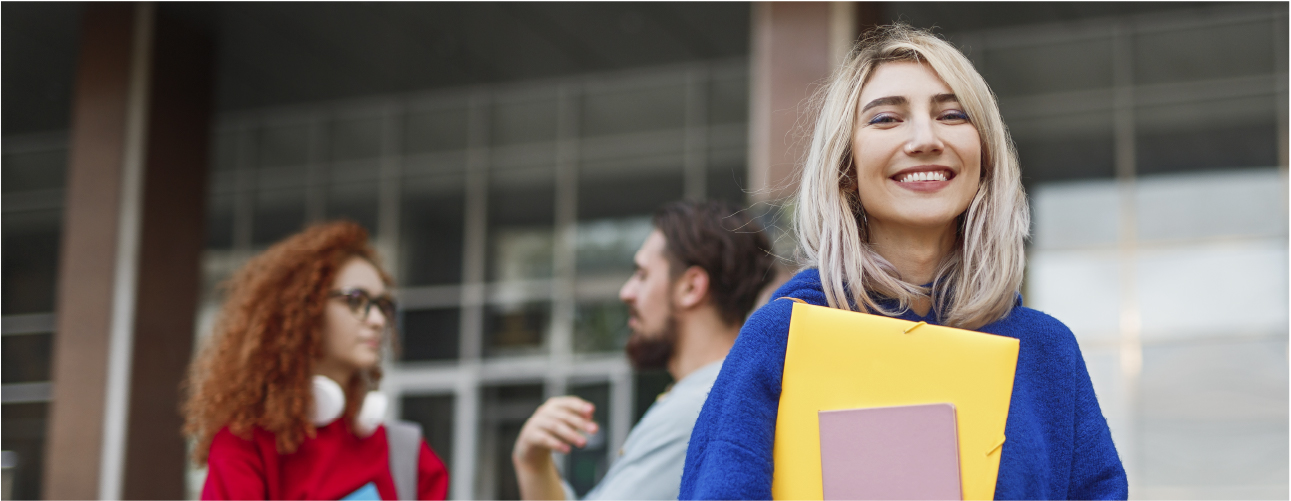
(651, 460)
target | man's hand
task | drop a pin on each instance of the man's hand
(559, 423)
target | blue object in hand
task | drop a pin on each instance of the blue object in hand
(366, 493)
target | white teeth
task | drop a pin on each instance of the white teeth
(924, 176)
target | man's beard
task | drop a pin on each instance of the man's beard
(653, 350)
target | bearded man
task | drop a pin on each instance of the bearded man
(697, 276)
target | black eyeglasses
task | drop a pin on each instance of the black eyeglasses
(360, 302)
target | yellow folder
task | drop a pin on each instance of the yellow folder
(839, 359)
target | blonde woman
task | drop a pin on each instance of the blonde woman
(910, 206)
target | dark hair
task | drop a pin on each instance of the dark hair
(726, 243)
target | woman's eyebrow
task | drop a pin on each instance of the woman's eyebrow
(944, 98)
(884, 101)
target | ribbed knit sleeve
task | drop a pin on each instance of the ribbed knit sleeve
(1096, 470)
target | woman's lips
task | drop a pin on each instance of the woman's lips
(925, 179)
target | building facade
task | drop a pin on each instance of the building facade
(508, 177)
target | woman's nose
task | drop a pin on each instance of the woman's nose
(923, 138)
(377, 317)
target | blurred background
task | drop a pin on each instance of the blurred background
(507, 157)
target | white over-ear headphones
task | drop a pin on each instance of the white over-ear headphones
(329, 404)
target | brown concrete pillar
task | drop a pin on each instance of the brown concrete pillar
(130, 262)
(795, 47)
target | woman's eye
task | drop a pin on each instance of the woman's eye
(356, 302)
(955, 116)
(882, 119)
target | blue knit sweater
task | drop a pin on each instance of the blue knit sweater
(1059, 446)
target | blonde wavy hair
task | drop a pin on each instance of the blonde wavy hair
(976, 283)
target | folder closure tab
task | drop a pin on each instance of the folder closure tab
(998, 445)
(915, 326)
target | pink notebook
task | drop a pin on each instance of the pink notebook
(905, 452)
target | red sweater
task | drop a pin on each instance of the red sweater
(331, 465)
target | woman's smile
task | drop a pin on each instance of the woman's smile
(924, 178)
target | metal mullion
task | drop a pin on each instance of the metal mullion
(561, 344)
(387, 231)
(467, 410)
(390, 194)
(1131, 346)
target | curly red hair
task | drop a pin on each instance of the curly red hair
(256, 370)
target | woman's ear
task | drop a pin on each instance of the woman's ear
(691, 288)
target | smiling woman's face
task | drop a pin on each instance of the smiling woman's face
(918, 158)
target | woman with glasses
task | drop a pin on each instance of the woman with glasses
(281, 403)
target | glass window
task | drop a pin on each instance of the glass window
(24, 436)
(614, 210)
(354, 201)
(1066, 147)
(503, 411)
(728, 100)
(516, 328)
(728, 181)
(435, 130)
(224, 151)
(435, 414)
(1231, 203)
(1043, 69)
(607, 246)
(219, 221)
(585, 466)
(356, 139)
(1207, 135)
(523, 121)
(364, 170)
(278, 214)
(1076, 214)
(521, 220)
(1178, 304)
(600, 326)
(30, 256)
(609, 191)
(431, 334)
(1207, 52)
(34, 170)
(26, 357)
(431, 236)
(284, 146)
(1214, 415)
(633, 110)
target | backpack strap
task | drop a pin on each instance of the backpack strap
(404, 443)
